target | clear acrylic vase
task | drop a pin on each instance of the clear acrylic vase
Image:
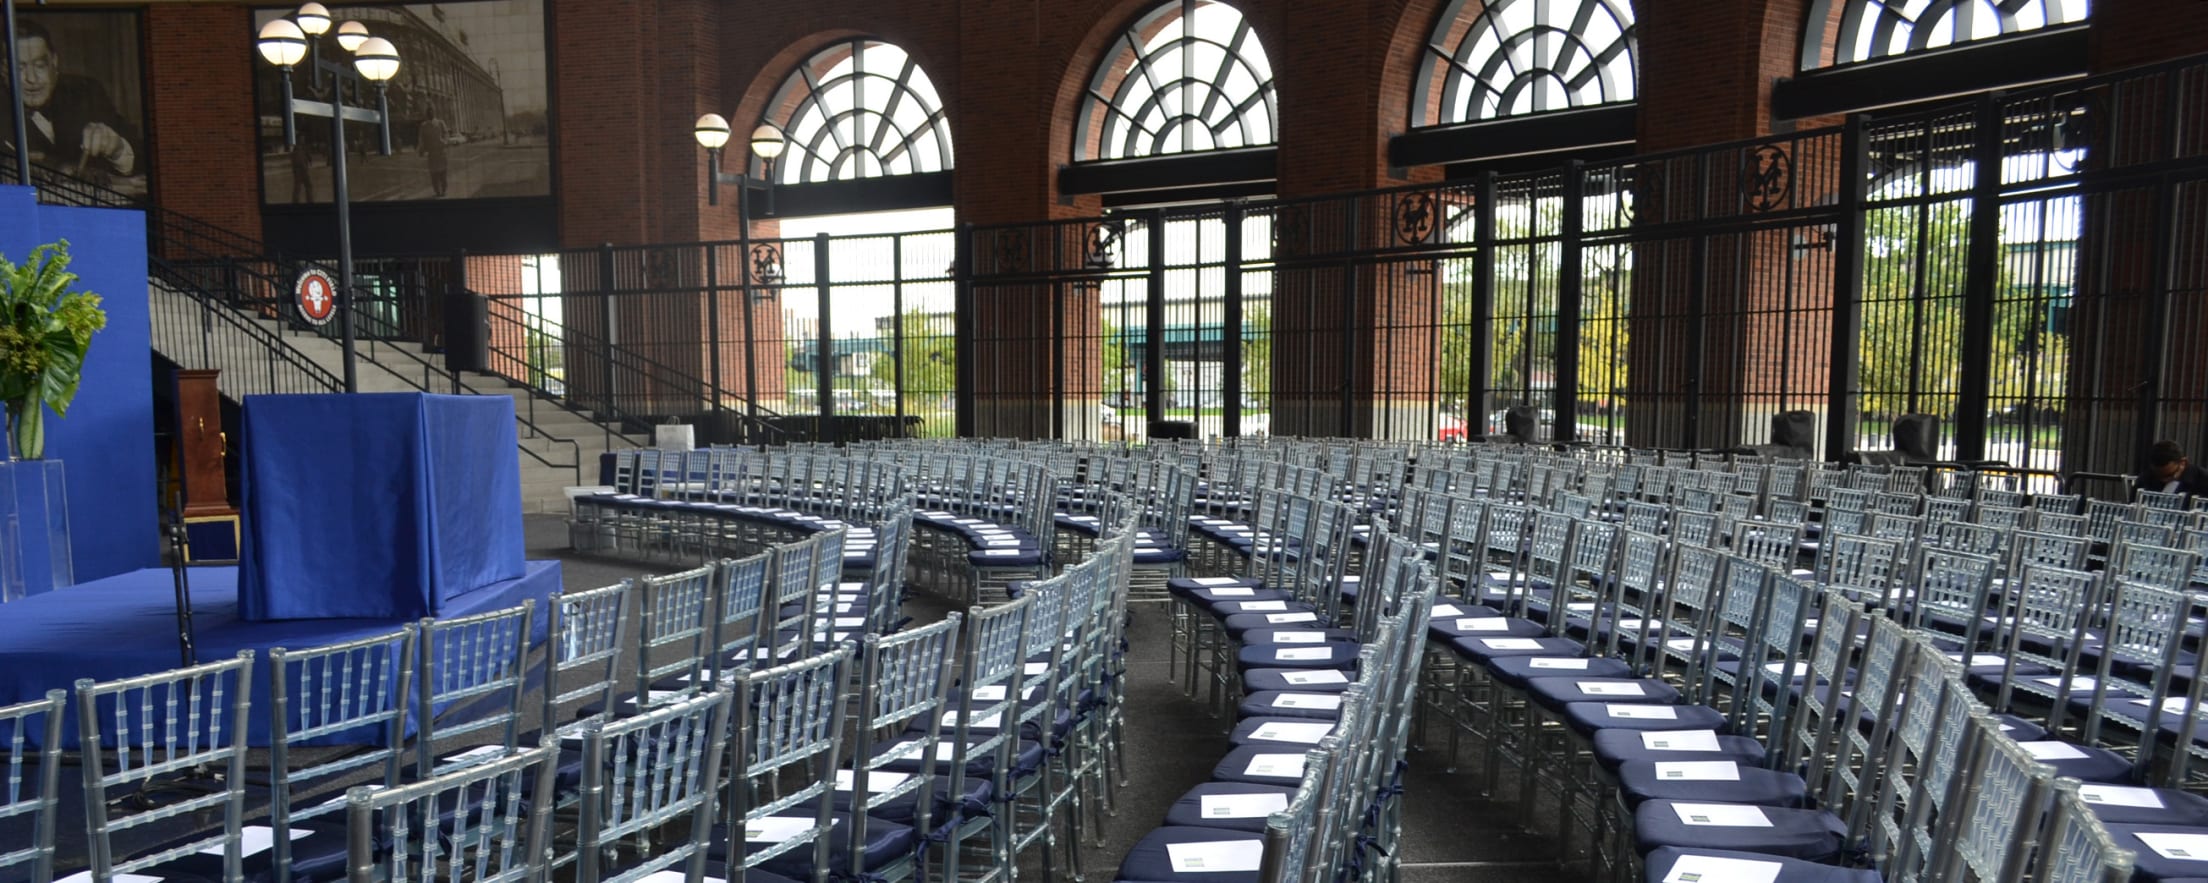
(34, 540)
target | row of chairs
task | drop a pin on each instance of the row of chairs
(1311, 792)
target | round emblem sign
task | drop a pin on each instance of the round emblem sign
(316, 297)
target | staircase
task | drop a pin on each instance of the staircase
(257, 355)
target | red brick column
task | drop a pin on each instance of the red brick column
(199, 114)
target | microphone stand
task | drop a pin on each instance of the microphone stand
(183, 584)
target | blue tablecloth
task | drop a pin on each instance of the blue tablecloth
(383, 506)
(126, 625)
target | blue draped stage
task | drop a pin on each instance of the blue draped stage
(126, 625)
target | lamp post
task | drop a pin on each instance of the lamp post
(283, 43)
(712, 132)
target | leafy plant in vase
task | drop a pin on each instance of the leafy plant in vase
(45, 329)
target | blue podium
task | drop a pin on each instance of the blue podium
(376, 506)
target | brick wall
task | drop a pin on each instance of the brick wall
(200, 115)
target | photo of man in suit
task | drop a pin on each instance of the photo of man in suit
(74, 127)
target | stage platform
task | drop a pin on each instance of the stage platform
(126, 625)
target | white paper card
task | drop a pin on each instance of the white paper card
(1034, 668)
(850, 622)
(1241, 806)
(473, 755)
(1263, 606)
(1680, 740)
(1326, 701)
(1307, 678)
(1714, 869)
(1644, 712)
(1511, 643)
(254, 840)
(2052, 750)
(1240, 856)
(1216, 580)
(1233, 593)
(2119, 795)
(1282, 765)
(877, 781)
(2172, 705)
(1000, 553)
(2183, 847)
(1550, 662)
(950, 719)
(1801, 669)
(775, 829)
(1680, 644)
(1444, 611)
(1299, 637)
(1698, 771)
(2077, 683)
(1285, 618)
(1301, 733)
(1302, 654)
(85, 876)
(1977, 660)
(1483, 624)
(1612, 688)
(1721, 815)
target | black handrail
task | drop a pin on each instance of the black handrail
(624, 369)
(211, 325)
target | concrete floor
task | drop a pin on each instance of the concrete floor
(1450, 833)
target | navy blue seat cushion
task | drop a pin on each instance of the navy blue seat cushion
(1026, 759)
(1262, 764)
(1326, 654)
(1241, 623)
(1516, 671)
(2082, 762)
(2112, 804)
(1808, 834)
(904, 809)
(1587, 718)
(1150, 862)
(2147, 864)
(1305, 704)
(886, 842)
(1481, 649)
(1298, 635)
(1274, 680)
(1555, 693)
(1660, 864)
(1006, 557)
(1188, 811)
(1215, 601)
(1159, 555)
(1480, 622)
(1286, 737)
(1662, 780)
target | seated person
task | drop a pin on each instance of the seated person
(2168, 471)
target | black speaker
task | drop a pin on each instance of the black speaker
(1519, 423)
(1172, 429)
(1795, 429)
(467, 332)
(1917, 436)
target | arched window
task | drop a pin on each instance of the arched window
(1505, 58)
(1870, 29)
(1188, 76)
(859, 109)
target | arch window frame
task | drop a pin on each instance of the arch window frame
(837, 131)
(1531, 54)
(1882, 30)
(1134, 71)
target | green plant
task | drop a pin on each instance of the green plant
(45, 328)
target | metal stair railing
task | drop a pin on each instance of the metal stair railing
(520, 347)
(193, 325)
(201, 263)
